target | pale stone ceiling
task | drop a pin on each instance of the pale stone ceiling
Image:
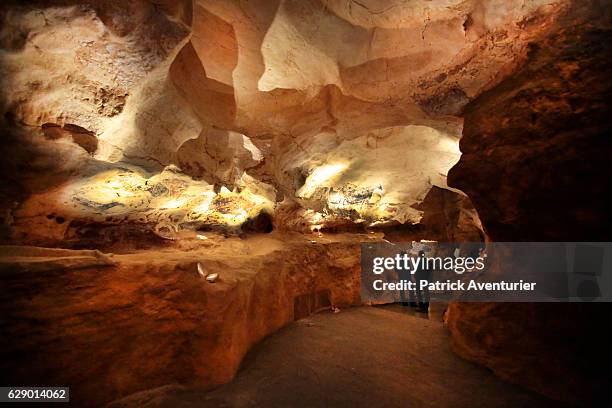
(376, 85)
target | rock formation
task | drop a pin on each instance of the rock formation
(133, 325)
(535, 154)
(172, 132)
(292, 93)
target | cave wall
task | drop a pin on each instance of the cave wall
(111, 326)
(87, 71)
(536, 164)
(271, 89)
(535, 150)
(272, 92)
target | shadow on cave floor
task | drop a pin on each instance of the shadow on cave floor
(360, 357)
(434, 313)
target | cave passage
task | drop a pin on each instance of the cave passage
(359, 357)
(189, 191)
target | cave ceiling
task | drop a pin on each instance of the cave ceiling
(211, 111)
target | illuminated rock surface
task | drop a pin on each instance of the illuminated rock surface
(177, 132)
(285, 91)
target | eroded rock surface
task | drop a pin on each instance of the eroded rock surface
(279, 90)
(534, 147)
(535, 163)
(123, 121)
(27, 259)
(164, 203)
(153, 319)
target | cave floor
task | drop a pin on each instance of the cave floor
(360, 357)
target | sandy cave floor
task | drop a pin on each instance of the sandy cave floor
(360, 357)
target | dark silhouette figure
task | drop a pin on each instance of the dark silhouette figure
(406, 296)
(422, 295)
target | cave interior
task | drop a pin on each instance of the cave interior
(183, 179)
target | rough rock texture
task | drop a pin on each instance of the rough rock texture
(536, 154)
(84, 61)
(131, 119)
(450, 217)
(281, 90)
(152, 319)
(376, 54)
(75, 71)
(165, 203)
(555, 349)
(25, 259)
(311, 78)
(535, 150)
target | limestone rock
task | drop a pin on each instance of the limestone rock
(151, 319)
(534, 148)
(16, 259)
(275, 90)
(521, 139)
(143, 124)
